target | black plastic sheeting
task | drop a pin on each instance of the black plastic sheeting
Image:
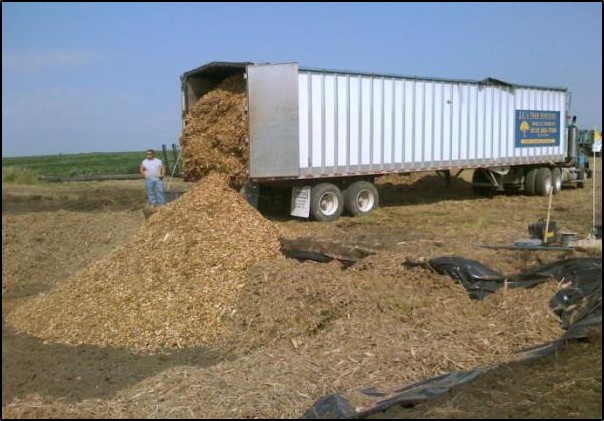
(480, 281)
(578, 304)
(315, 256)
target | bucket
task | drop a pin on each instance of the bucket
(537, 231)
(566, 238)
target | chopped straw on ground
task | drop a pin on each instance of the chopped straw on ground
(170, 287)
(304, 330)
(38, 247)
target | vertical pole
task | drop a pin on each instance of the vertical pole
(166, 164)
(593, 214)
(174, 159)
(549, 208)
(174, 169)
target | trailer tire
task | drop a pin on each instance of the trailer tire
(557, 180)
(480, 176)
(279, 202)
(326, 202)
(543, 182)
(529, 181)
(361, 198)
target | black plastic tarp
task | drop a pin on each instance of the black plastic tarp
(480, 280)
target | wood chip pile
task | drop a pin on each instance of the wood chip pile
(215, 136)
(306, 330)
(318, 330)
(170, 287)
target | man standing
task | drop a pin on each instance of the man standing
(153, 170)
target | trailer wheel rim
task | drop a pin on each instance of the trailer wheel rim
(548, 185)
(365, 200)
(328, 203)
(557, 184)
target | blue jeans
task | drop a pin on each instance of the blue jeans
(155, 191)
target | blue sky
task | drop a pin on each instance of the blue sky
(105, 77)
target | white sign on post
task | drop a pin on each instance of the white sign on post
(597, 146)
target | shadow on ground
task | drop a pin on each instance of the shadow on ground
(428, 189)
(74, 373)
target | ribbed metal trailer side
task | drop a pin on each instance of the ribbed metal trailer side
(323, 123)
(327, 134)
(361, 124)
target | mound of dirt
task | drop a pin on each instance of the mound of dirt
(215, 138)
(170, 287)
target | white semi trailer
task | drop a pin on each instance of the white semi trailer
(326, 135)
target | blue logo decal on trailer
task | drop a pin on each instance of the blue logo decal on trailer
(537, 128)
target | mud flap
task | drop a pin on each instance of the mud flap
(300, 206)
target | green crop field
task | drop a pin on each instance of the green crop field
(71, 165)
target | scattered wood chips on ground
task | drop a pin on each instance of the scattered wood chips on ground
(38, 247)
(304, 330)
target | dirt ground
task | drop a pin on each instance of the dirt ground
(51, 231)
